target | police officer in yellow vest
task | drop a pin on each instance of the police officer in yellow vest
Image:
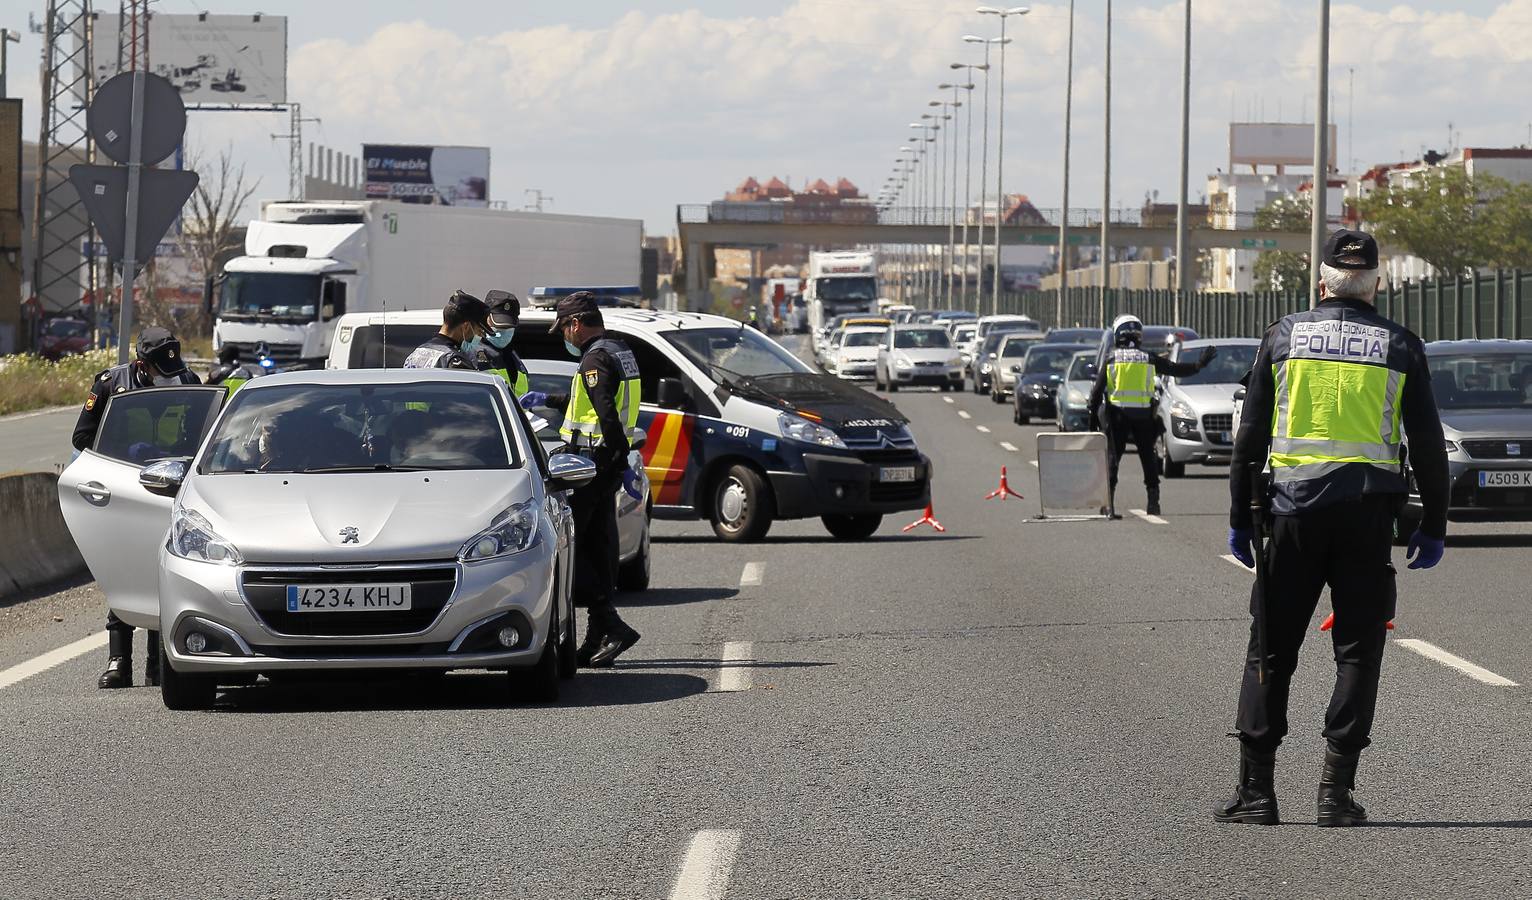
(230, 371)
(159, 364)
(1327, 396)
(1125, 386)
(497, 356)
(599, 412)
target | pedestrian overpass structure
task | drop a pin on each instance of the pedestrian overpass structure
(703, 227)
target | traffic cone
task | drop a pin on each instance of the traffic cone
(926, 518)
(1004, 491)
(1329, 623)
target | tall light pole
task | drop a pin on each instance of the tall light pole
(1000, 149)
(928, 189)
(978, 281)
(967, 175)
(1106, 176)
(949, 197)
(1186, 113)
(1321, 153)
(938, 199)
(1069, 89)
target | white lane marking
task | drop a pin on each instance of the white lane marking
(753, 575)
(963, 413)
(17, 417)
(37, 664)
(1007, 445)
(1032, 462)
(983, 428)
(948, 400)
(1229, 557)
(1431, 651)
(705, 869)
(733, 676)
(1153, 520)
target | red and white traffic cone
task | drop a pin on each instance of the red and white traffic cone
(926, 518)
(1329, 623)
(1004, 491)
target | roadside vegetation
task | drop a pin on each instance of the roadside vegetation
(31, 382)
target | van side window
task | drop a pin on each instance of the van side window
(652, 366)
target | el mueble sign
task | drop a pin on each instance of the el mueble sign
(446, 176)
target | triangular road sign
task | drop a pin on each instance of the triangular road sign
(161, 194)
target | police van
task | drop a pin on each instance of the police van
(740, 432)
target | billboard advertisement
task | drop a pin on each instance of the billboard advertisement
(210, 59)
(445, 176)
(1274, 144)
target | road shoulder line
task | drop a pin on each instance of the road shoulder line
(705, 868)
(1453, 661)
(42, 663)
(1153, 520)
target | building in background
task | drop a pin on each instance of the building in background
(751, 200)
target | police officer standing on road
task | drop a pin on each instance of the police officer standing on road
(159, 364)
(1327, 394)
(230, 371)
(497, 356)
(601, 408)
(1125, 383)
(465, 324)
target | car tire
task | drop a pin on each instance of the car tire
(854, 527)
(742, 505)
(569, 664)
(1022, 418)
(994, 397)
(540, 683)
(633, 575)
(893, 387)
(184, 691)
(1168, 466)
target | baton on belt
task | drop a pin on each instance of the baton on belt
(1262, 532)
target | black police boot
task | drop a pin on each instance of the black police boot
(618, 636)
(119, 668)
(1255, 797)
(1111, 503)
(152, 660)
(1337, 809)
(1153, 506)
(588, 647)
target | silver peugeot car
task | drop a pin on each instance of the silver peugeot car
(363, 519)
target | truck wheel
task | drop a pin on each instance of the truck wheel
(633, 575)
(852, 528)
(1170, 467)
(743, 506)
(183, 691)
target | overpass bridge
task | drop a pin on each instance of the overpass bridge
(704, 227)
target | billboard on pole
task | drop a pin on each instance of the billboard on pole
(240, 60)
(444, 176)
(1274, 144)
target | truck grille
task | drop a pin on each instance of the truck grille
(430, 589)
(1216, 426)
(281, 354)
(1499, 448)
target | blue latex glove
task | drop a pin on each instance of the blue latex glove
(533, 399)
(1242, 545)
(1425, 551)
(632, 484)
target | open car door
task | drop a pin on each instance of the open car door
(117, 524)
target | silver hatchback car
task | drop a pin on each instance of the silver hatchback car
(363, 519)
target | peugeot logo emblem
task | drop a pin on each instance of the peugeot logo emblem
(349, 535)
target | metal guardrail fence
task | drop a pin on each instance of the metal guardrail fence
(863, 213)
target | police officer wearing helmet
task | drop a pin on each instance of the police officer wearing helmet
(465, 324)
(599, 411)
(230, 371)
(1125, 385)
(158, 364)
(1329, 392)
(497, 356)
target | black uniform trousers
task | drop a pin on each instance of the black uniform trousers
(1120, 426)
(594, 508)
(1347, 546)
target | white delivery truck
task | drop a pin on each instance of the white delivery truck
(839, 283)
(308, 263)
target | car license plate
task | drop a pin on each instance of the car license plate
(897, 473)
(347, 597)
(1505, 478)
(1225, 437)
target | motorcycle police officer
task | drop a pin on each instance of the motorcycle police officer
(158, 364)
(465, 324)
(599, 411)
(1125, 383)
(230, 370)
(1327, 395)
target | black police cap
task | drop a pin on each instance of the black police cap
(1347, 249)
(158, 346)
(464, 307)
(504, 308)
(577, 304)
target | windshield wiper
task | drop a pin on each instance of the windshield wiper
(375, 467)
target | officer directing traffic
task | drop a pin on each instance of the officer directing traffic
(465, 325)
(599, 411)
(1327, 395)
(158, 364)
(1125, 384)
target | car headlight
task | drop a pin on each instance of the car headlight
(512, 531)
(1180, 410)
(797, 428)
(1452, 446)
(1075, 397)
(985, 368)
(192, 537)
(902, 363)
(955, 360)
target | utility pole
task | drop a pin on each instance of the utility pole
(537, 199)
(294, 138)
(1069, 75)
(1106, 176)
(978, 280)
(1317, 220)
(7, 37)
(1186, 112)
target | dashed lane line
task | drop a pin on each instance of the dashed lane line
(948, 400)
(963, 413)
(705, 868)
(983, 428)
(734, 668)
(753, 574)
(1229, 557)
(46, 661)
(1453, 661)
(1007, 445)
(1152, 520)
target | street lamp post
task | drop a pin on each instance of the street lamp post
(928, 189)
(1000, 141)
(949, 194)
(968, 176)
(978, 281)
(1186, 112)
(1069, 75)
(1317, 221)
(1106, 175)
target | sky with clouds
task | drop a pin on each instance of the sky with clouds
(628, 108)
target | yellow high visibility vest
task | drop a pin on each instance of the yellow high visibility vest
(1130, 380)
(580, 418)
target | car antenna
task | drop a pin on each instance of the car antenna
(385, 329)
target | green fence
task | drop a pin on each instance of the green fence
(1492, 305)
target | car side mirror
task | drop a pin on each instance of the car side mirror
(638, 439)
(567, 471)
(670, 393)
(1016, 369)
(164, 478)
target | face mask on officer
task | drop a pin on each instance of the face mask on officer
(164, 380)
(500, 339)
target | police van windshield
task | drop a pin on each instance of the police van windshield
(727, 352)
(1482, 380)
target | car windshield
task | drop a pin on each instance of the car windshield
(1083, 368)
(844, 289)
(268, 294)
(1016, 347)
(1073, 335)
(1482, 380)
(727, 353)
(1231, 364)
(964, 335)
(1048, 360)
(988, 328)
(862, 339)
(921, 339)
(68, 328)
(310, 428)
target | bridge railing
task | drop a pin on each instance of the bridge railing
(866, 213)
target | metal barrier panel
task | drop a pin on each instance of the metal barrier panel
(1071, 470)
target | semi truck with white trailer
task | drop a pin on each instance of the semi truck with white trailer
(844, 282)
(308, 263)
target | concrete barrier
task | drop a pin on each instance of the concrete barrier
(35, 545)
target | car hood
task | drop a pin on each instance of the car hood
(397, 515)
(1208, 398)
(922, 354)
(821, 398)
(861, 353)
(1472, 423)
